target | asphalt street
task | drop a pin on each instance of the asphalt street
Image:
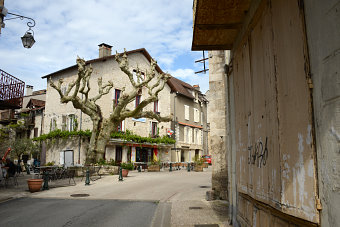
(26, 212)
(155, 199)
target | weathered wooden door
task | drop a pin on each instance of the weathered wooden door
(273, 113)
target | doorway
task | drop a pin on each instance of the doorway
(119, 154)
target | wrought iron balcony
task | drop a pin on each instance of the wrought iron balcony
(11, 91)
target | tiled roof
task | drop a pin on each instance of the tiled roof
(141, 50)
(181, 87)
(36, 103)
(175, 84)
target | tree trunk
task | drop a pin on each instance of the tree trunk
(101, 134)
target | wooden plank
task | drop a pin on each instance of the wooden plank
(294, 111)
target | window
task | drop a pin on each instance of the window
(120, 127)
(138, 99)
(155, 106)
(186, 112)
(53, 124)
(201, 118)
(68, 122)
(196, 115)
(136, 78)
(188, 134)
(35, 132)
(117, 96)
(71, 122)
(154, 129)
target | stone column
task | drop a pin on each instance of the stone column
(218, 123)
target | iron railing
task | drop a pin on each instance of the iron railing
(11, 91)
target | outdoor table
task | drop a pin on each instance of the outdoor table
(43, 169)
(142, 165)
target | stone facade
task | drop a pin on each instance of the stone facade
(172, 100)
(189, 107)
(218, 123)
(64, 116)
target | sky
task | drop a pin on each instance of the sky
(66, 29)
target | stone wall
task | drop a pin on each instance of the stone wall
(218, 125)
(323, 32)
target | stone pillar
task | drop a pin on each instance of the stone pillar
(218, 123)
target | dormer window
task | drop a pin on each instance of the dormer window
(135, 77)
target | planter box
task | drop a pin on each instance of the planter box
(154, 168)
(205, 165)
(198, 168)
(109, 170)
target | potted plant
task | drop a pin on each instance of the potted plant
(34, 185)
(154, 166)
(126, 166)
(199, 164)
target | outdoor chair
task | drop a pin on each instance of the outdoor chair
(13, 178)
(70, 173)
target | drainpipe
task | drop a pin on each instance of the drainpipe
(175, 134)
(80, 122)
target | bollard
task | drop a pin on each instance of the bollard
(120, 174)
(28, 169)
(170, 170)
(45, 176)
(188, 167)
(87, 180)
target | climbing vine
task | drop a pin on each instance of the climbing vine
(126, 136)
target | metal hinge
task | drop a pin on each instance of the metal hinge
(310, 83)
(318, 203)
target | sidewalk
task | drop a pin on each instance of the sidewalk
(180, 195)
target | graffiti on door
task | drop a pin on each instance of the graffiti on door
(258, 153)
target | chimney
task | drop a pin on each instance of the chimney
(104, 50)
(197, 87)
(29, 90)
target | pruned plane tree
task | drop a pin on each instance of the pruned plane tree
(78, 94)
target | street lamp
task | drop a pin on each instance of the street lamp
(28, 38)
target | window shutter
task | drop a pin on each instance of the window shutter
(186, 112)
(196, 115)
(64, 122)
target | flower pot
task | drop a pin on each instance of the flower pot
(125, 172)
(34, 185)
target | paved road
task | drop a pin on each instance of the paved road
(27, 212)
(157, 199)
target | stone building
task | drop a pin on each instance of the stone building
(32, 112)
(279, 97)
(66, 117)
(189, 106)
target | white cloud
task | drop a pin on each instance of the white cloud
(65, 29)
(189, 76)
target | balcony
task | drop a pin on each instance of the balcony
(11, 91)
(6, 116)
(217, 23)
